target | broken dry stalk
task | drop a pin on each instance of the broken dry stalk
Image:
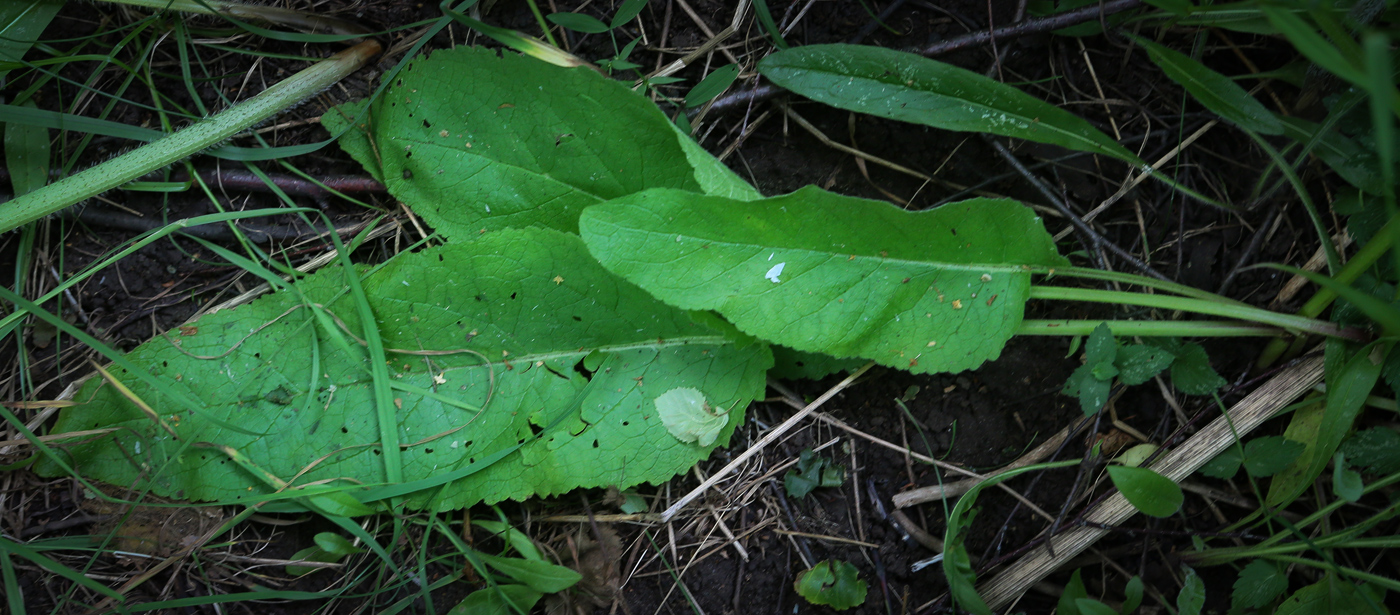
(200, 136)
(1249, 413)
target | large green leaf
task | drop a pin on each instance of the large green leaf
(929, 292)
(1214, 90)
(473, 140)
(907, 87)
(570, 356)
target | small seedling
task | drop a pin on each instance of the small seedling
(812, 472)
(834, 583)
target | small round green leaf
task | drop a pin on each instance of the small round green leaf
(1149, 492)
(686, 415)
(834, 583)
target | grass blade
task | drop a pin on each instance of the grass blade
(1214, 90)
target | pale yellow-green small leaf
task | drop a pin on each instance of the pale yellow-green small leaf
(686, 415)
(1134, 456)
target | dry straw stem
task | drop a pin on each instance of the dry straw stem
(1249, 413)
(196, 138)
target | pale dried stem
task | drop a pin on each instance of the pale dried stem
(1176, 465)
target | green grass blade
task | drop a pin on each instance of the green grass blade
(42, 561)
(1214, 90)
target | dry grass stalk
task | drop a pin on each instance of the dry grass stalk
(1248, 414)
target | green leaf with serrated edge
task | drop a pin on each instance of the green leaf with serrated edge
(1100, 347)
(712, 175)
(1192, 597)
(929, 291)
(1149, 492)
(1104, 371)
(686, 415)
(789, 364)
(812, 471)
(357, 141)
(578, 22)
(1132, 595)
(537, 575)
(470, 140)
(1346, 482)
(27, 155)
(1269, 455)
(1377, 450)
(712, 85)
(530, 301)
(498, 600)
(1092, 392)
(1074, 592)
(1217, 92)
(1347, 389)
(1331, 595)
(1138, 363)
(1191, 372)
(907, 87)
(1259, 583)
(834, 583)
(1225, 465)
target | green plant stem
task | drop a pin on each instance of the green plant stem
(1225, 555)
(1367, 256)
(188, 142)
(1136, 280)
(1386, 582)
(1150, 328)
(1197, 306)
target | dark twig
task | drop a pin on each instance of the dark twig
(871, 25)
(1249, 252)
(1074, 219)
(106, 218)
(1030, 26)
(243, 180)
(743, 98)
